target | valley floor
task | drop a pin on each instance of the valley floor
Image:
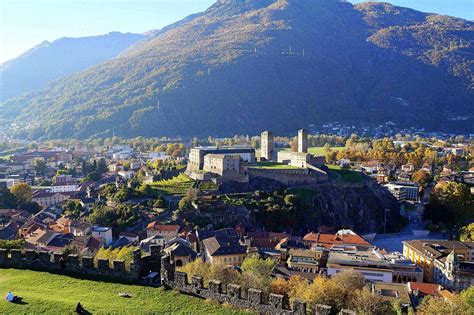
(45, 293)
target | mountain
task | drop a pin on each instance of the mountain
(247, 65)
(50, 61)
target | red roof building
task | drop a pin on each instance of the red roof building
(329, 240)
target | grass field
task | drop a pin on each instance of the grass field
(45, 293)
(273, 165)
(318, 150)
(348, 176)
(178, 185)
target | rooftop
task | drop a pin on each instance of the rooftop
(218, 246)
(329, 240)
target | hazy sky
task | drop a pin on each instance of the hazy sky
(26, 23)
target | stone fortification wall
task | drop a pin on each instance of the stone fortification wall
(233, 294)
(73, 264)
(291, 177)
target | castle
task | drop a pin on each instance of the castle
(239, 164)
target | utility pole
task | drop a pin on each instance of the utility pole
(385, 221)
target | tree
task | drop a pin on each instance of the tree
(40, 167)
(467, 296)
(176, 153)
(184, 203)
(280, 286)
(73, 209)
(432, 305)
(15, 244)
(192, 194)
(22, 193)
(326, 148)
(255, 264)
(450, 203)
(31, 207)
(93, 176)
(102, 167)
(466, 233)
(118, 217)
(7, 199)
(291, 200)
(123, 194)
(421, 177)
(159, 203)
(367, 303)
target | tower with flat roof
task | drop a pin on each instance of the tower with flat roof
(302, 141)
(266, 146)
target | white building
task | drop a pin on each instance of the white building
(104, 233)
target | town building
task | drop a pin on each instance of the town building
(224, 250)
(393, 291)
(168, 232)
(104, 233)
(64, 187)
(307, 260)
(341, 238)
(48, 198)
(404, 191)
(180, 251)
(6, 183)
(449, 263)
(375, 265)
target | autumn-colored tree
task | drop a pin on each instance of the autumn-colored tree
(367, 303)
(467, 296)
(421, 177)
(280, 286)
(294, 144)
(466, 233)
(457, 197)
(22, 193)
(431, 305)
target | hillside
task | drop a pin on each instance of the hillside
(45, 293)
(243, 66)
(50, 61)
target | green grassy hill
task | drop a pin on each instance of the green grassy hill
(45, 293)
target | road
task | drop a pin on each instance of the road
(393, 242)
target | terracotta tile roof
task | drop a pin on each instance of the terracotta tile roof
(162, 228)
(328, 240)
(425, 288)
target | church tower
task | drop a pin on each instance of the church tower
(266, 146)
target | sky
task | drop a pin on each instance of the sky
(26, 23)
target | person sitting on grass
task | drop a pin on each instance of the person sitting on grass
(12, 298)
(80, 309)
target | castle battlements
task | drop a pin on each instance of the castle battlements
(232, 295)
(73, 264)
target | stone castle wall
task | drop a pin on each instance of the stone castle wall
(290, 177)
(73, 264)
(233, 294)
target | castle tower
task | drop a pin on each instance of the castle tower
(302, 141)
(266, 146)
